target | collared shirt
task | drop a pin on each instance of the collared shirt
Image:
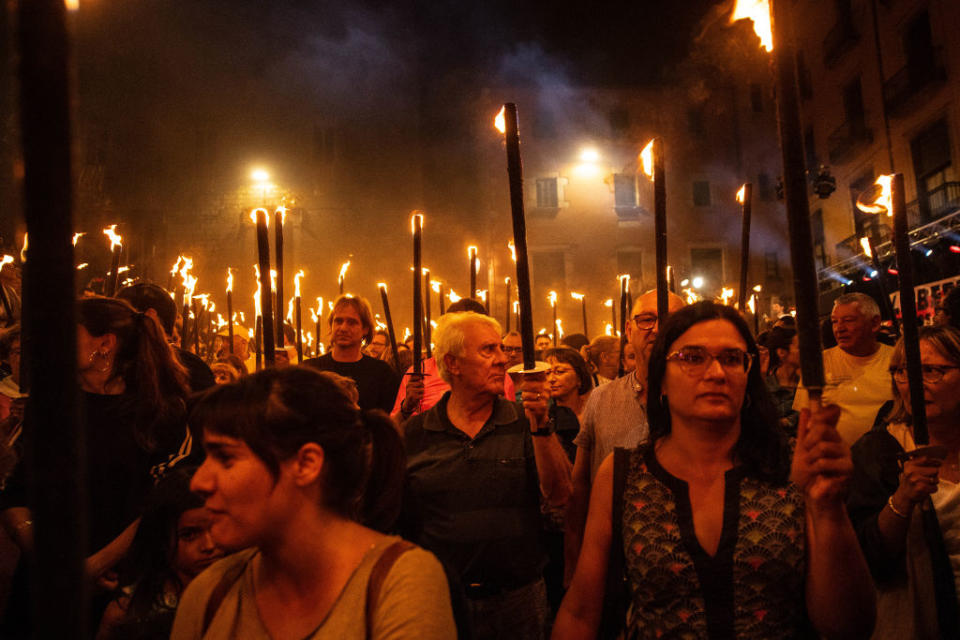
(615, 416)
(475, 503)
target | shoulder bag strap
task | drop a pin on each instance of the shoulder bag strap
(378, 574)
(227, 580)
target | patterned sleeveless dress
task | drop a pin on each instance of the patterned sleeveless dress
(753, 587)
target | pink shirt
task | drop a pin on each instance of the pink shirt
(434, 387)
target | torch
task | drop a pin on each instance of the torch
(278, 218)
(7, 310)
(507, 123)
(173, 272)
(613, 311)
(389, 318)
(263, 267)
(624, 285)
(745, 198)
(441, 298)
(516, 313)
(230, 308)
(552, 296)
(116, 247)
(651, 160)
(317, 318)
(888, 195)
(416, 224)
(508, 283)
(427, 326)
(189, 285)
(472, 256)
(871, 252)
(343, 274)
(794, 188)
(299, 314)
(583, 310)
(482, 294)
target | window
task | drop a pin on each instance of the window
(771, 265)
(701, 193)
(853, 102)
(625, 190)
(756, 97)
(629, 262)
(547, 196)
(765, 189)
(707, 263)
(918, 44)
(619, 121)
(549, 271)
(934, 169)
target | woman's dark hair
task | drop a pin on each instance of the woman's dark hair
(235, 362)
(778, 338)
(277, 411)
(154, 379)
(149, 564)
(146, 295)
(762, 448)
(569, 356)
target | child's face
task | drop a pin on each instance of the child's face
(195, 548)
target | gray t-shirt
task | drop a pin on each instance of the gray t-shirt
(614, 417)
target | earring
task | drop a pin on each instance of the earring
(106, 362)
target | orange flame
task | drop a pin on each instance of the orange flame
(115, 238)
(576, 296)
(273, 280)
(254, 212)
(552, 297)
(435, 285)
(189, 284)
(879, 197)
(758, 288)
(296, 283)
(76, 237)
(516, 306)
(452, 296)
(865, 243)
(185, 269)
(8, 260)
(23, 250)
(500, 120)
(471, 252)
(752, 303)
(289, 317)
(382, 285)
(229, 279)
(608, 302)
(414, 221)
(513, 250)
(757, 11)
(84, 265)
(283, 214)
(608, 329)
(257, 310)
(646, 160)
(725, 295)
(741, 195)
(483, 294)
(343, 270)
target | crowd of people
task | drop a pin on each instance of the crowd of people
(677, 483)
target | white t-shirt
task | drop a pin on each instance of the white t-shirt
(859, 385)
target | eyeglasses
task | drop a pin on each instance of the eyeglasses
(507, 349)
(645, 321)
(930, 372)
(694, 361)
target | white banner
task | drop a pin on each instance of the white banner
(929, 296)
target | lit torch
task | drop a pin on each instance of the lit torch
(343, 274)
(4, 300)
(116, 246)
(651, 161)
(552, 297)
(583, 310)
(416, 225)
(279, 216)
(299, 314)
(745, 198)
(261, 217)
(472, 257)
(382, 286)
(230, 308)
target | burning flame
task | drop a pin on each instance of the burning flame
(865, 243)
(239, 313)
(552, 297)
(626, 277)
(413, 221)
(273, 280)
(23, 251)
(283, 214)
(309, 339)
(435, 285)
(742, 194)
(221, 323)
(576, 296)
(646, 160)
(82, 265)
(471, 252)
(382, 285)
(314, 316)
(185, 269)
(76, 237)
(189, 284)
(516, 306)
(725, 295)
(483, 294)
(500, 121)
(608, 302)
(257, 311)
(229, 279)
(757, 11)
(296, 283)
(692, 296)
(290, 310)
(406, 334)
(9, 259)
(266, 215)
(758, 288)
(608, 329)
(453, 297)
(752, 304)
(513, 250)
(330, 305)
(176, 266)
(343, 270)
(878, 198)
(115, 238)
(559, 329)
(123, 269)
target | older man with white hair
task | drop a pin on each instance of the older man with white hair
(856, 371)
(477, 466)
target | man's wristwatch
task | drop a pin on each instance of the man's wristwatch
(545, 430)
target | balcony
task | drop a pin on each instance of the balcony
(935, 204)
(847, 138)
(904, 90)
(841, 38)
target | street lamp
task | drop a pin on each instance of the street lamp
(261, 177)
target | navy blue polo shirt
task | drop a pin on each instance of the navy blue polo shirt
(475, 503)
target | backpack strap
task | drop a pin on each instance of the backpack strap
(227, 580)
(379, 573)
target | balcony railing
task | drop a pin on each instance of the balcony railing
(846, 138)
(935, 204)
(840, 39)
(901, 91)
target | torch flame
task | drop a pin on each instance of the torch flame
(742, 194)
(254, 212)
(343, 270)
(500, 121)
(646, 160)
(552, 297)
(413, 221)
(626, 277)
(435, 285)
(752, 304)
(758, 288)
(608, 302)
(176, 266)
(202, 297)
(296, 283)
(725, 295)
(483, 294)
(516, 306)
(878, 198)
(471, 252)
(123, 269)
(221, 323)
(692, 296)
(576, 296)
(229, 279)
(513, 250)
(26, 244)
(865, 243)
(82, 265)
(9, 259)
(185, 269)
(559, 329)
(758, 11)
(283, 214)
(76, 237)
(115, 238)
(189, 284)
(382, 285)
(453, 296)
(406, 334)
(257, 311)
(273, 280)
(608, 329)
(290, 310)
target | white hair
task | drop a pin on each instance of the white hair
(868, 306)
(449, 336)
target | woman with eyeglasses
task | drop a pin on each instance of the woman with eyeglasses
(905, 501)
(717, 534)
